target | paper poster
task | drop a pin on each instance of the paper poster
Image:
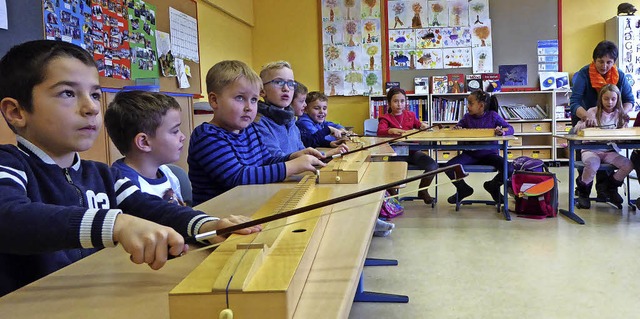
(456, 37)
(482, 59)
(458, 13)
(429, 59)
(165, 57)
(457, 58)
(439, 13)
(69, 21)
(481, 34)
(111, 38)
(184, 35)
(142, 30)
(478, 11)
(351, 47)
(428, 38)
(183, 81)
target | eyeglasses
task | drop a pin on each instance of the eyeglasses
(280, 82)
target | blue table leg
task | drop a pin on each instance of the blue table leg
(380, 262)
(505, 172)
(570, 212)
(367, 296)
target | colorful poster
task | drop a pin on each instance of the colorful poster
(142, 30)
(457, 58)
(110, 34)
(69, 21)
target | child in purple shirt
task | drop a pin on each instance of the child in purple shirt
(483, 113)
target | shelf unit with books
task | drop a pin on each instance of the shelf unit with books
(562, 125)
(535, 134)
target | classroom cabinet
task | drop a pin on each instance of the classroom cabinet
(535, 134)
(103, 150)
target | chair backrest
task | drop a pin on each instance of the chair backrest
(185, 183)
(370, 127)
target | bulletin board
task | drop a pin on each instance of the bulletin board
(26, 24)
(517, 26)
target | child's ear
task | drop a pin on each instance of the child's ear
(213, 101)
(13, 112)
(141, 142)
(262, 94)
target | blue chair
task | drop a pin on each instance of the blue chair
(370, 127)
(185, 183)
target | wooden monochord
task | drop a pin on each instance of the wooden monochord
(262, 275)
(348, 169)
(465, 132)
(596, 132)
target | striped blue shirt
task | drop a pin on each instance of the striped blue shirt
(220, 160)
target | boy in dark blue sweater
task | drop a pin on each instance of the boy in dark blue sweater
(315, 130)
(54, 207)
(228, 151)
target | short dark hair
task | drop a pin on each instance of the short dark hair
(316, 96)
(133, 112)
(301, 89)
(606, 48)
(24, 67)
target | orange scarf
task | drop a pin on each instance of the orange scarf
(598, 81)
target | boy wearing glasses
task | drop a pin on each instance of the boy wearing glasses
(228, 150)
(276, 119)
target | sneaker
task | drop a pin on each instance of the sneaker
(381, 233)
(382, 226)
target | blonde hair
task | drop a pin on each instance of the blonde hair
(226, 72)
(277, 65)
(618, 107)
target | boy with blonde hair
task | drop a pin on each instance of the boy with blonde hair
(56, 208)
(276, 119)
(228, 150)
(145, 127)
(315, 130)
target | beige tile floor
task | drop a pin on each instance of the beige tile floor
(474, 264)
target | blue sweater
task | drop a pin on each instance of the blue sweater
(583, 94)
(277, 129)
(220, 160)
(316, 134)
(489, 119)
(166, 185)
(52, 216)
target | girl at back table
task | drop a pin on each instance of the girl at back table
(397, 121)
(482, 113)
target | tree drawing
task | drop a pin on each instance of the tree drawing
(351, 57)
(351, 28)
(457, 10)
(371, 4)
(371, 51)
(392, 60)
(412, 63)
(436, 8)
(349, 4)
(416, 22)
(353, 78)
(332, 80)
(477, 8)
(331, 30)
(331, 4)
(398, 8)
(369, 26)
(331, 54)
(371, 80)
(483, 33)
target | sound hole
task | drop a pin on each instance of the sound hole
(299, 231)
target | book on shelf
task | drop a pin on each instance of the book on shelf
(439, 84)
(389, 85)
(491, 82)
(456, 83)
(421, 85)
(474, 82)
(522, 112)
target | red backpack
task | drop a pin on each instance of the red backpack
(540, 205)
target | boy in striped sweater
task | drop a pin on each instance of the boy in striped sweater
(228, 151)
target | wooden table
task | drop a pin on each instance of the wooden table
(576, 143)
(108, 285)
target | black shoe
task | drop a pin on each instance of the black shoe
(494, 190)
(463, 190)
(583, 191)
(583, 202)
(612, 192)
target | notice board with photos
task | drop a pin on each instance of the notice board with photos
(63, 19)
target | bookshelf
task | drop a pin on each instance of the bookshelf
(535, 133)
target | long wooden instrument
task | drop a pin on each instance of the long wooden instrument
(263, 274)
(328, 159)
(456, 169)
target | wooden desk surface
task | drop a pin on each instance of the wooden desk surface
(613, 138)
(108, 285)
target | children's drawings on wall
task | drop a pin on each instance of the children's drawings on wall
(482, 59)
(457, 58)
(352, 48)
(438, 34)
